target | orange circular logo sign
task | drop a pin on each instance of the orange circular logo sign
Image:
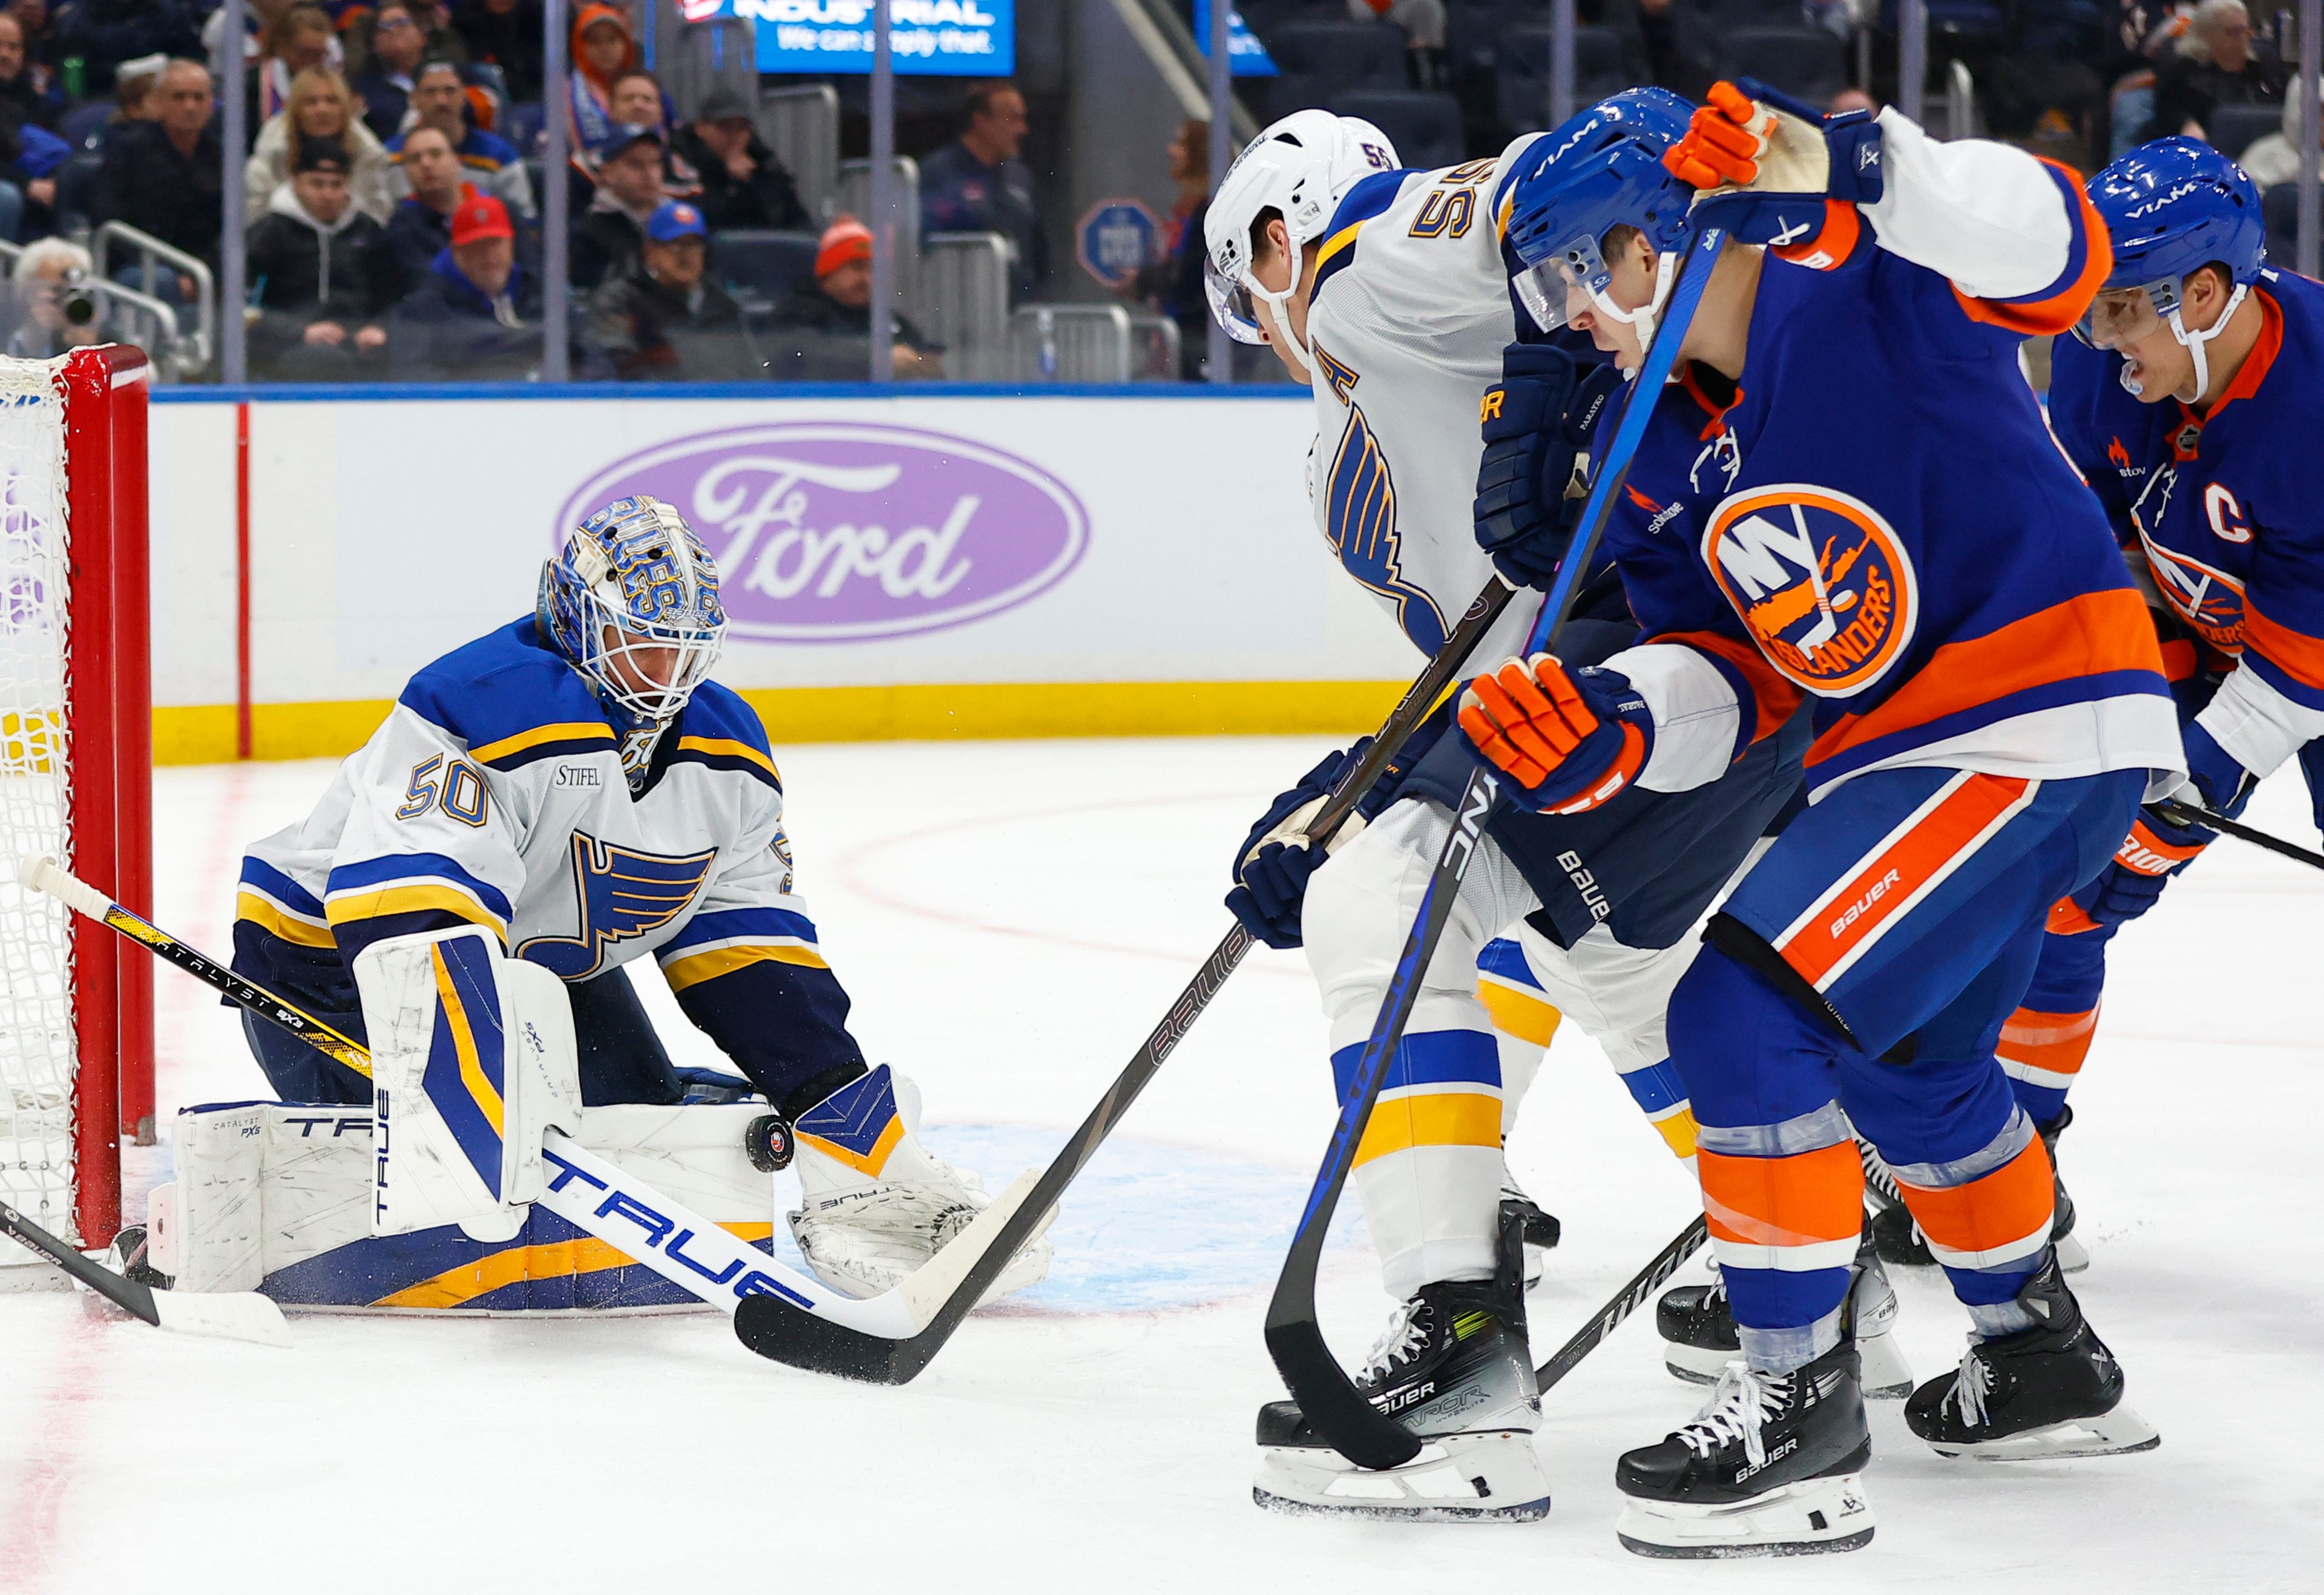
(1821, 581)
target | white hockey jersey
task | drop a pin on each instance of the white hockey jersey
(494, 795)
(1408, 315)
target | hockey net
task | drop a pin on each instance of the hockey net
(76, 1030)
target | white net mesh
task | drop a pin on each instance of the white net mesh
(36, 1019)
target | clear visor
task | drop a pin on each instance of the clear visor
(652, 671)
(2120, 317)
(1562, 287)
(1231, 303)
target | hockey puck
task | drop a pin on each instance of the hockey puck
(767, 1140)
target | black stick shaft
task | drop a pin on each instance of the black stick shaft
(125, 1293)
(1626, 1301)
(2171, 811)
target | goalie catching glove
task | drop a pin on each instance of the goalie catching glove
(1808, 171)
(875, 1204)
(1570, 740)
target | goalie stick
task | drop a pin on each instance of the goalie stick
(2171, 811)
(935, 1299)
(585, 1190)
(227, 1314)
(1327, 1397)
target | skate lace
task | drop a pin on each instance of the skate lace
(1971, 1386)
(1406, 1335)
(1876, 1172)
(1739, 1409)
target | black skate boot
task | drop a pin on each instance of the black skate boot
(1898, 1238)
(1539, 1231)
(1769, 1468)
(1453, 1367)
(1699, 1339)
(2053, 1390)
(2074, 1256)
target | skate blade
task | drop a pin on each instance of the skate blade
(1697, 1365)
(2115, 1433)
(1486, 1478)
(1809, 1518)
(2074, 1256)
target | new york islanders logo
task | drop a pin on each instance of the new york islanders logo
(2206, 597)
(1821, 581)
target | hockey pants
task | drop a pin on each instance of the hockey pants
(1859, 975)
(1428, 1169)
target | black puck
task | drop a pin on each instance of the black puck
(768, 1141)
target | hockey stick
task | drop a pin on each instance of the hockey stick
(943, 1292)
(585, 1190)
(226, 1315)
(1327, 1397)
(2171, 811)
(1626, 1301)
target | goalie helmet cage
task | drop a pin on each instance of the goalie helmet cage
(75, 781)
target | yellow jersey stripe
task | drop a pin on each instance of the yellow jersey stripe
(692, 969)
(1525, 1015)
(270, 917)
(1337, 242)
(1677, 1129)
(577, 730)
(418, 898)
(1435, 1119)
(727, 747)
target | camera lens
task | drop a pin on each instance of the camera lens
(80, 305)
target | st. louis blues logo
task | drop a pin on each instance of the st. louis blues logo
(1359, 517)
(621, 894)
(1820, 580)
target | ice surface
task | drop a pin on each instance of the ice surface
(1011, 918)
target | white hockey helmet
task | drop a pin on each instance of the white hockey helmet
(1301, 168)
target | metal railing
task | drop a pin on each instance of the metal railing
(150, 251)
(801, 126)
(963, 302)
(135, 318)
(1070, 344)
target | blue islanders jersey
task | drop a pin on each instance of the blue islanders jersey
(1890, 530)
(493, 794)
(2227, 509)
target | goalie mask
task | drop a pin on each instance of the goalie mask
(632, 601)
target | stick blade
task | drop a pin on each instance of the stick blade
(225, 1316)
(783, 1333)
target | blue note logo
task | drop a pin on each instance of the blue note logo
(621, 894)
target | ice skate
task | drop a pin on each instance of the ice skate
(2072, 1256)
(875, 1204)
(1699, 1339)
(1889, 1221)
(2053, 1390)
(1453, 1367)
(1771, 1467)
(1540, 1230)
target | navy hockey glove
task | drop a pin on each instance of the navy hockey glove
(1272, 865)
(1536, 424)
(2133, 878)
(1805, 173)
(1570, 740)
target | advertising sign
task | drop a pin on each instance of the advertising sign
(932, 38)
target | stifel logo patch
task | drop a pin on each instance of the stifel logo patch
(1819, 580)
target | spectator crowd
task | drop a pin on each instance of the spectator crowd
(393, 186)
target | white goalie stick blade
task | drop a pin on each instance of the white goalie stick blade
(591, 1193)
(225, 1316)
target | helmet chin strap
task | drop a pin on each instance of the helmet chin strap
(2193, 342)
(1280, 304)
(1645, 317)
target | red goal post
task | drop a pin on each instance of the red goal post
(75, 781)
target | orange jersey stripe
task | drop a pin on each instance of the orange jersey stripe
(2044, 316)
(1775, 697)
(2089, 635)
(1990, 1212)
(1856, 912)
(2055, 1042)
(2295, 653)
(1802, 1200)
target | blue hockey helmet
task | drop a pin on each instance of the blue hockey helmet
(2172, 207)
(1599, 170)
(631, 600)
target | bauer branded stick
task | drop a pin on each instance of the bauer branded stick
(583, 1189)
(226, 1314)
(941, 1294)
(1327, 1397)
(1626, 1301)
(2171, 811)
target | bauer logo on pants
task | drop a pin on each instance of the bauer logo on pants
(1820, 580)
(839, 532)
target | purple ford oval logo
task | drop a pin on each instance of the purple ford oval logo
(840, 531)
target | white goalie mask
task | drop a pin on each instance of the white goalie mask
(1299, 168)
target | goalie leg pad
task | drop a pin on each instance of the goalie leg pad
(471, 1062)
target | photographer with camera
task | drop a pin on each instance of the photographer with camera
(56, 294)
